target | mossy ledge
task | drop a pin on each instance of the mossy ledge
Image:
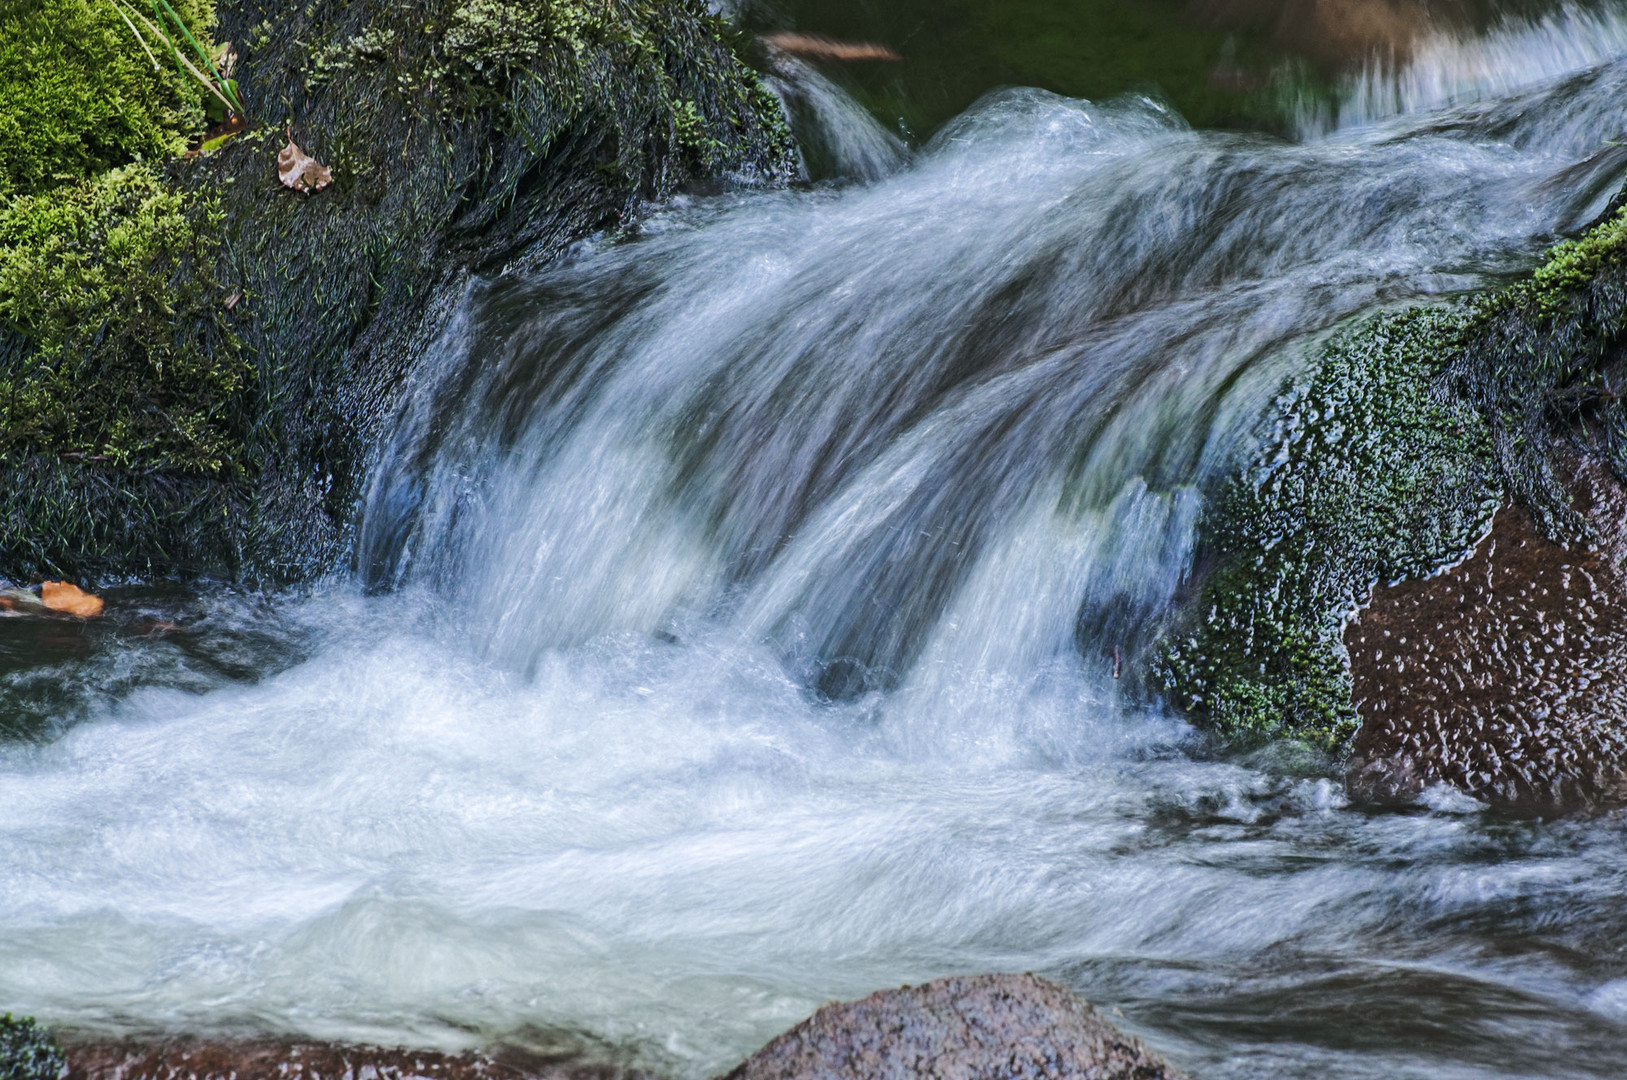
(1386, 462)
(463, 135)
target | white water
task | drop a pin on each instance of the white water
(1448, 67)
(930, 445)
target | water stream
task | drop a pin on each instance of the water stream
(734, 622)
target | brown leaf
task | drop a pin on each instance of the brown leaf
(301, 171)
(70, 599)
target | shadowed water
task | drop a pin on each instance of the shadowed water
(735, 626)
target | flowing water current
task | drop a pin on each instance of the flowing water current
(734, 624)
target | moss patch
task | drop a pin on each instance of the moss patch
(1364, 474)
(149, 430)
(120, 352)
(79, 96)
(1544, 359)
(27, 1051)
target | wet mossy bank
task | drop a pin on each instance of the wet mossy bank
(1386, 463)
(200, 396)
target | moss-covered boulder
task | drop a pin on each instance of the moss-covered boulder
(1387, 462)
(462, 135)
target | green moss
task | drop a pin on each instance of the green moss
(27, 1051)
(78, 95)
(1543, 361)
(121, 352)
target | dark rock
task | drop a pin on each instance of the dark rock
(1505, 675)
(981, 1027)
(1373, 482)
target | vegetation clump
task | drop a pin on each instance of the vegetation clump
(195, 362)
(119, 348)
(28, 1051)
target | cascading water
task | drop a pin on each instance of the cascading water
(1451, 67)
(742, 609)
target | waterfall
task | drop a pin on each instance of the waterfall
(735, 622)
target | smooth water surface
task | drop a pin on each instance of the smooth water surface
(734, 627)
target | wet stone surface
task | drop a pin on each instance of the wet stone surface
(1505, 676)
(265, 1059)
(983, 1027)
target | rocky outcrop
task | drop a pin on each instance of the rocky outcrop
(1376, 478)
(981, 1027)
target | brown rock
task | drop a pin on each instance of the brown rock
(982, 1027)
(1505, 676)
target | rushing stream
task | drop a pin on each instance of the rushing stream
(734, 628)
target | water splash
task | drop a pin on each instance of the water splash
(836, 136)
(1454, 67)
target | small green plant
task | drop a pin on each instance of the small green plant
(28, 1051)
(222, 88)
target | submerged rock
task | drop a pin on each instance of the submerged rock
(981, 1027)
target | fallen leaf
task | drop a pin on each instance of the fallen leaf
(70, 599)
(824, 48)
(301, 171)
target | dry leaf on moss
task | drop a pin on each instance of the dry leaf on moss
(301, 171)
(70, 600)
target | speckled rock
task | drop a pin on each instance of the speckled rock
(1506, 675)
(983, 1027)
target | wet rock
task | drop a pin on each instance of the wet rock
(1506, 675)
(268, 1059)
(983, 1027)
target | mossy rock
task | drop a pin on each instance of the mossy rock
(28, 1051)
(463, 136)
(1387, 462)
